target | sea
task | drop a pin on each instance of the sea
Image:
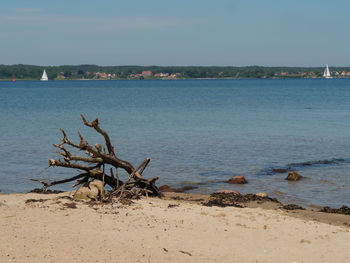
(196, 132)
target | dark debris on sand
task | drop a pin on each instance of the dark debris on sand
(70, 205)
(345, 210)
(236, 200)
(47, 191)
(293, 207)
(28, 201)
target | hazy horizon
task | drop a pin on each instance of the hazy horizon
(183, 33)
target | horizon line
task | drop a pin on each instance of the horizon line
(126, 65)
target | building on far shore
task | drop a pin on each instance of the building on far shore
(345, 73)
(146, 73)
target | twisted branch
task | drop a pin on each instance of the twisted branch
(93, 165)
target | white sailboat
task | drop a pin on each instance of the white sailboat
(326, 73)
(44, 76)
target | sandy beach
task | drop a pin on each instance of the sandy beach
(53, 228)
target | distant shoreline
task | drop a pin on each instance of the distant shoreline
(30, 72)
(148, 79)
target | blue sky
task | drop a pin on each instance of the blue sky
(192, 32)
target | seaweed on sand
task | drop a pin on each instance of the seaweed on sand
(236, 200)
(45, 191)
(293, 207)
(345, 210)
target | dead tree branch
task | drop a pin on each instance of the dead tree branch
(93, 165)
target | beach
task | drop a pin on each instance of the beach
(55, 228)
(211, 131)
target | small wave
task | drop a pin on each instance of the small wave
(302, 165)
(333, 161)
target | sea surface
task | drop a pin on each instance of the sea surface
(197, 132)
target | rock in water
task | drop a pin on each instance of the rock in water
(225, 191)
(293, 176)
(90, 190)
(164, 188)
(237, 180)
(261, 194)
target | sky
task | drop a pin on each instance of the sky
(175, 33)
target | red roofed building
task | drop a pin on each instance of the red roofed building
(147, 73)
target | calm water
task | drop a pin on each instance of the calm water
(196, 132)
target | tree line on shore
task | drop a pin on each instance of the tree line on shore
(32, 72)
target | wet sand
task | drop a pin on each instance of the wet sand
(176, 228)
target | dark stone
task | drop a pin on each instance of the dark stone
(293, 176)
(237, 180)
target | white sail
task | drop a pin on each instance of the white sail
(326, 73)
(44, 76)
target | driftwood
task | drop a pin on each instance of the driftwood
(93, 165)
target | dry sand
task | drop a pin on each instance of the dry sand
(158, 230)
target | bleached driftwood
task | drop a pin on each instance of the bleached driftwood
(93, 164)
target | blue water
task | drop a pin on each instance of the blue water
(198, 132)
